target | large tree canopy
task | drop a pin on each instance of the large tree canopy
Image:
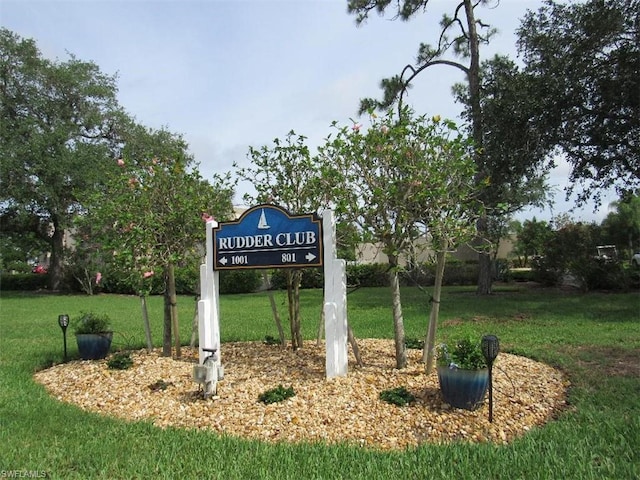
(56, 125)
(585, 60)
(458, 46)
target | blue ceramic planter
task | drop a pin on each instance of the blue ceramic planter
(463, 388)
(94, 346)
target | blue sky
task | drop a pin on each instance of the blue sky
(230, 74)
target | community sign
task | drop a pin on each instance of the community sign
(267, 236)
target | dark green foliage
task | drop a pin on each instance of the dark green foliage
(397, 396)
(23, 281)
(90, 322)
(311, 278)
(368, 275)
(239, 281)
(465, 354)
(584, 58)
(414, 343)
(271, 340)
(277, 394)
(120, 361)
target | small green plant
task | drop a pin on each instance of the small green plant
(465, 354)
(414, 343)
(398, 396)
(120, 361)
(277, 394)
(271, 340)
(90, 322)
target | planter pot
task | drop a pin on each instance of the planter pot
(463, 388)
(94, 346)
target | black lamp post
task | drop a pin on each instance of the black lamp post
(63, 321)
(490, 347)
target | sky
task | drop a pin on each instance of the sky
(229, 74)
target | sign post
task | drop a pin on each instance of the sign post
(267, 236)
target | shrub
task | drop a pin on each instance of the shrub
(89, 322)
(24, 281)
(368, 275)
(277, 394)
(397, 396)
(239, 281)
(120, 361)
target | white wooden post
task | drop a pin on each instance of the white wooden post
(335, 301)
(209, 304)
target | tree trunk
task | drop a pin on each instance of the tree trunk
(354, 346)
(430, 340)
(274, 310)
(166, 333)
(145, 321)
(398, 321)
(173, 301)
(55, 269)
(485, 277)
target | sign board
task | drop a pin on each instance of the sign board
(267, 236)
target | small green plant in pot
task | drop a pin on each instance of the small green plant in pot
(93, 335)
(462, 373)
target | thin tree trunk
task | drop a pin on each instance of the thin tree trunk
(57, 253)
(398, 321)
(354, 346)
(145, 321)
(166, 332)
(296, 306)
(274, 310)
(173, 301)
(430, 340)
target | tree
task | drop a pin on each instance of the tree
(623, 224)
(461, 35)
(57, 123)
(287, 175)
(514, 153)
(402, 179)
(584, 59)
(150, 215)
(533, 236)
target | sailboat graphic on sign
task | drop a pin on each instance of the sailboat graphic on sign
(262, 223)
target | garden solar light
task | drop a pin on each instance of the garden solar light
(490, 347)
(63, 321)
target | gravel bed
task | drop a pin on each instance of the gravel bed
(527, 394)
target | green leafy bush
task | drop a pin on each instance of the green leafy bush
(465, 354)
(24, 281)
(120, 361)
(239, 281)
(277, 394)
(414, 343)
(90, 322)
(397, 396)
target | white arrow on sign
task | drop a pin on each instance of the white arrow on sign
(309, 256)
(223, 260)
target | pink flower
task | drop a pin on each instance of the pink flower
(120, 162)
(384, 129)
(98, 278)
(147, 274)
(207, 218)
(356, 127)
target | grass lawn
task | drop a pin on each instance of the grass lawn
(594, 338)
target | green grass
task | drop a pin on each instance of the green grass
(594, 338)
